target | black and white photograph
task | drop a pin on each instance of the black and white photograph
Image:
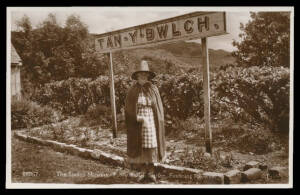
(149, 97)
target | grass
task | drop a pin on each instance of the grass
(49, 166)
(33, 163)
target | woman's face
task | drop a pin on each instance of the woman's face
(142, 77)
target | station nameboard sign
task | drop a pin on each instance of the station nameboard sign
(185, 27)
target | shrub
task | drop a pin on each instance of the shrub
(98, 111)
(255, 142)
(256, 95)
(195, 158)
(87, 137)
(59, 132)
(181, 96)
(75, 96)
(25, 113)
(96, 115)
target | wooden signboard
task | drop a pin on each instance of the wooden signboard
(189, 26)
(196, 25)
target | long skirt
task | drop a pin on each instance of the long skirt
(148, 155)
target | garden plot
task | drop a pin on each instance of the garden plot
(186, 149)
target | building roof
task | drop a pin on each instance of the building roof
(15, 58)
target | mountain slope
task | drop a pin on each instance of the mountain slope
(171, 58)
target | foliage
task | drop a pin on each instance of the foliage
(181, 95)
(97, 115)
(52, 52)
(59, 132)
(254, 95)
(256, 141)
(96, 111)
(196, 158)
(265, 40)
(258, 95)
(74, 96)
(25, 113)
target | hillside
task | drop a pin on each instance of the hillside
(190, 53)
(171, 58)
(168, 58)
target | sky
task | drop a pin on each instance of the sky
(104, 19)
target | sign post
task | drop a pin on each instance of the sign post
(112, 97)
(206, 88)
(190, 26)
(196, 25)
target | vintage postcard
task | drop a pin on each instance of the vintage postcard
(140, 97)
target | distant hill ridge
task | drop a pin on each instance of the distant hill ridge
(172, 57)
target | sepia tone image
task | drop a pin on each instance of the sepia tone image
(150, 97)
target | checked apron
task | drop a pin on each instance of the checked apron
(149, 140)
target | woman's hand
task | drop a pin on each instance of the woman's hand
(145, 122)
(140, 119)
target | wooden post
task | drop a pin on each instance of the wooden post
(112, 97)
(206, 88)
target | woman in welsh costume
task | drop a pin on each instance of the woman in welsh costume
(144, 118)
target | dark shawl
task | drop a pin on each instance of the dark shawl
(134, 132)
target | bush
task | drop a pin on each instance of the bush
(71, 97)
(256, 95)
(195, 158)
(98, 111)
(256, 141)
(25, 113)
(59, 132)
(75, 96)
(97, 115)
(181, 95)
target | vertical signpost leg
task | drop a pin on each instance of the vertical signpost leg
(206, 87)
(112, 97)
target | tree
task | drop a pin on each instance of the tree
(53, 52)
(23, 40)
(49, 38)
(265, 40)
